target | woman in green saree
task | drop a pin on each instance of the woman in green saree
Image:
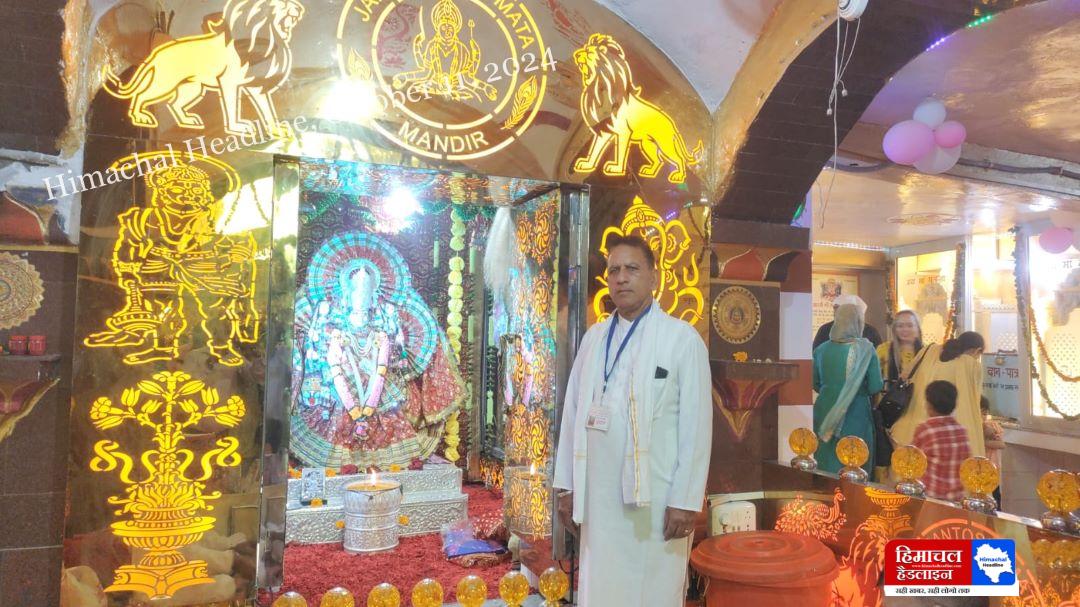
(846, 375)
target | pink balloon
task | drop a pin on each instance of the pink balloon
(908, 141)
(1056, 240)
(950, 134)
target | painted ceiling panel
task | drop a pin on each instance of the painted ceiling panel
(707, 39)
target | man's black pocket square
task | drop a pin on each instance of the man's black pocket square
(661, 373)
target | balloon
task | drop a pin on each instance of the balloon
(930, 112)
(938, 160)
(1076, 238)
(907, 142)
(1066, 219)
(950, 134)
(1056, 240)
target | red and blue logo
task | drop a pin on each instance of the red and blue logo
(951, 567)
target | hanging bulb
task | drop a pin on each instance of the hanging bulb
(843, 92)
(828, 112)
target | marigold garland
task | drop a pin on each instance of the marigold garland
(1027, 320)
(957, 292)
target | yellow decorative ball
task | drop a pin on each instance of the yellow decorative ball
(979, 475)
(909, 462)
(513, 588)
(803, 441)
(337, 597)
(471, 591)
(290, 599)
(1059, 490)
(427, 593)
(384, 595)
(553, 585)
(852, 451)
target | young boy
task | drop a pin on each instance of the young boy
(944, 441)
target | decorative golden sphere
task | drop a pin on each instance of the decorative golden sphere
(471, 591)
(290, 599)
(852, 451)
(909, 462)
(384, 595)
(553, 585)
(1059, 490)
(513, 588)
(337, 597)
(427, 593)
(803, 441)
(979, 475)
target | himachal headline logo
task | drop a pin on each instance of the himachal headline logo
(985, 567)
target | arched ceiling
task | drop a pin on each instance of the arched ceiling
(1013, 81)
(707, 39)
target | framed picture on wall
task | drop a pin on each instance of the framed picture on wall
(827, 286)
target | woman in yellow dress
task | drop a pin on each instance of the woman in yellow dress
(959, 362)
(895, 357)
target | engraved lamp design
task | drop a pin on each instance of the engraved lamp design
(161, 505)
(980, 477)
(909, 462)
(804, 443)
(853, 453)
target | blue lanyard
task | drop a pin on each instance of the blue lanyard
(611, 335)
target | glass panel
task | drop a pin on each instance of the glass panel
(1055, 315)
(166, 424)
(925, 284)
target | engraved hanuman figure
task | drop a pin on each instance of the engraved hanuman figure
(446, 66)
(168, 254)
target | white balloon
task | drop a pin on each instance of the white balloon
(938, 160)
(1076, 238)
(930, 112)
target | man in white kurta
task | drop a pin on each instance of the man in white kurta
(634, 445)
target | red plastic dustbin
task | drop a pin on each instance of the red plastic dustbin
(759, 568)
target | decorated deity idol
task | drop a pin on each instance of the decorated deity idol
(375, 381)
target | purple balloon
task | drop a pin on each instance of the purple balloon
(950, 134)
(1056, 240)
(908, 141)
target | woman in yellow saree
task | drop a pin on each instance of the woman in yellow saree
(958, 362)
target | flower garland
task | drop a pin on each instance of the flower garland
(1026, 314)
(890, 295)
(957, 292)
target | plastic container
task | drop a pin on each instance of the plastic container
(765, 568)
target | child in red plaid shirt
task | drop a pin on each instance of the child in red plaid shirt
(944, 441)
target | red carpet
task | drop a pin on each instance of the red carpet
(311, 570)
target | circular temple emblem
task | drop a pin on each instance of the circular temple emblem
(452, 79)
(21, 290)
(736, 315)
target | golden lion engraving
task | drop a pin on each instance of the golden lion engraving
(244, 52)
(616, 113)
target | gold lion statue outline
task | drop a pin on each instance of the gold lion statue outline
(616, 113)
(244, 52)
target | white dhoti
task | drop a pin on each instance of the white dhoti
(625, 561)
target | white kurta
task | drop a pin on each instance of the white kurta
(625, 560)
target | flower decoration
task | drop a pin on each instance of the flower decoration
(339, 524)
(294, 473)
(331, 473)
(740, 357)
(403, 520)
(395, 468)
(316, 503)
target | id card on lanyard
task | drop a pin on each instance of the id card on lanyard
(599, 417)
